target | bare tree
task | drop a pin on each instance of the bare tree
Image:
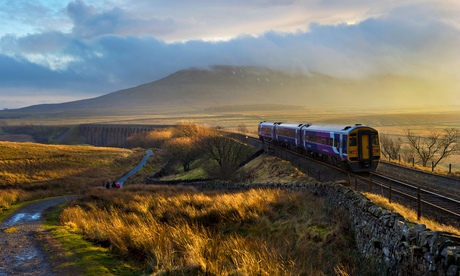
(436, 146)
(227, 153)
(189, 129)
(182, 150)
(152, 139)
(242, 128)
(390, 147)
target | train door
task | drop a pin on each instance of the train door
(365, 148)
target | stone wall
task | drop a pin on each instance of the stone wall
(398, 246)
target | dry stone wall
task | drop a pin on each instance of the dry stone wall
(398, 246)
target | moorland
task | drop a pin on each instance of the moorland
(176, 230)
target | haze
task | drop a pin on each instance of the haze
(57, 51)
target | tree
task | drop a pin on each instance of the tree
(390, 147)
(226, 152)
(152, 139)
(182, 150)
(188, 129)
(436, 146)
(242, 128)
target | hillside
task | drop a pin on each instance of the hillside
(242, 88)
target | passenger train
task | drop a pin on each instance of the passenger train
(354, 147)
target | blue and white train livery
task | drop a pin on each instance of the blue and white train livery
(355, 147)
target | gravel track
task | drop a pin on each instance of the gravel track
(20, 253)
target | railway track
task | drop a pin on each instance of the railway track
(432, 196)
(433, 202)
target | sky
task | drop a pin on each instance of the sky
(57, 51)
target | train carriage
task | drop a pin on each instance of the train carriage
(355, 147)
(288, 134)
(266, 131)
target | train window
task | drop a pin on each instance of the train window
(375, 139)
(353, 141)
(336, 143)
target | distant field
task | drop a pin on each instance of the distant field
(33, 166)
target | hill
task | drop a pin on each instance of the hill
(238, 88)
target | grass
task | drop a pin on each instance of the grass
(76, 256)
(411, 215)
(30, 163)
(31, 171)
(180, 231)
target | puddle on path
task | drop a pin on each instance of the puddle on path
(23, 217)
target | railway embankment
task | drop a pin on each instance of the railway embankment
(398, 246)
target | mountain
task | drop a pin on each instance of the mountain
(221, 87)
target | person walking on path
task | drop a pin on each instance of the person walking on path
(107, 185)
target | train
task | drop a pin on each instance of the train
(352, 147)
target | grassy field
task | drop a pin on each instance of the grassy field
(30, 170)
(180, 231)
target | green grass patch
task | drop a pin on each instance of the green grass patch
(84, 256)
(197, 173)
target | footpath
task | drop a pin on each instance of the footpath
(135, 169)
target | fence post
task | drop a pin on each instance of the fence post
(450, 168)
(432, 166)
(413, 162)
(391, 191)
(370, 182)
(419, 205)
(399, 158)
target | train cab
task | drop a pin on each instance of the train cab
(363, 148)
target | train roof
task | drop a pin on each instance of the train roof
(319, 127)
(335, 128)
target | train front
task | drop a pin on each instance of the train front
(363, 149)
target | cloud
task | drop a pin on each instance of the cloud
(120, 46)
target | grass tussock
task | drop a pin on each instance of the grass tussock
(411, 215)
(179, 231)
(10, 197)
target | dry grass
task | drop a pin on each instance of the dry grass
(24, 163)
(9, 197)
(411, 215)
(267, 168)
(30, 171)
(179, 231)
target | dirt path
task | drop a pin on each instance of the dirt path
(20, 253)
